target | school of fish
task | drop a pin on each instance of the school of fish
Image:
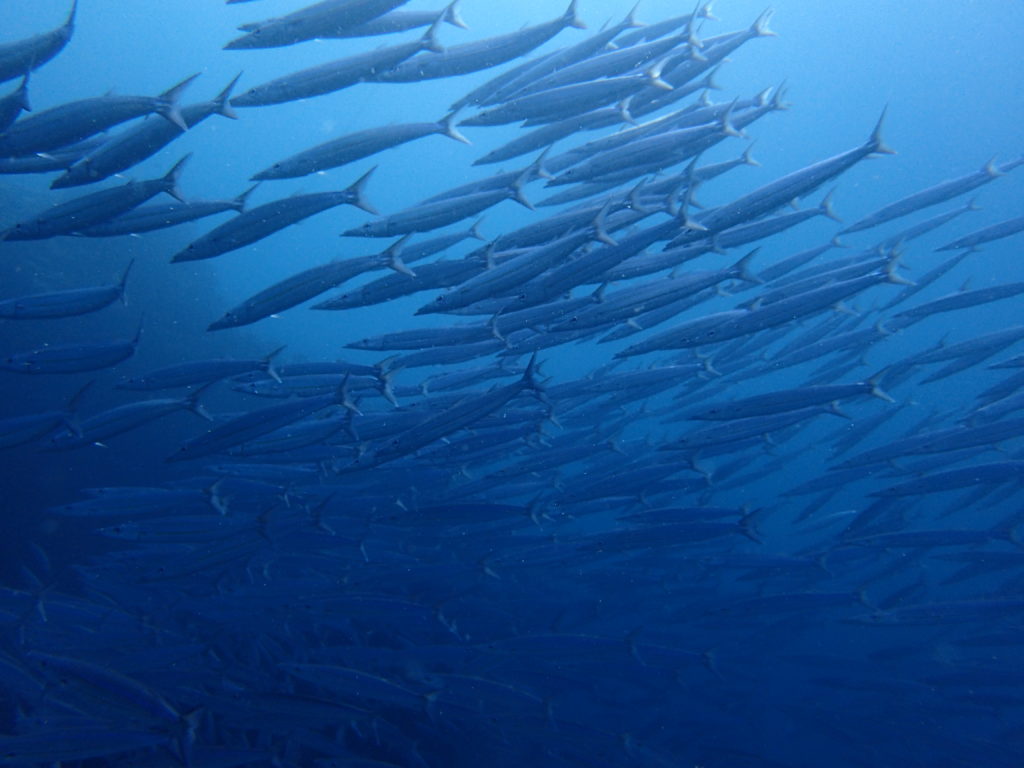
(438, 554)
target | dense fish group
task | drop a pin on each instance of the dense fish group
(446, 553)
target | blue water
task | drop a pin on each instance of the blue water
(742, 682)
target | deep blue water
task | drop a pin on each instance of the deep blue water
(518, 639)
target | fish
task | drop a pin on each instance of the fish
(201, 372)
(429, 216)
(774, 195)
(60, 160)
(509, 274)
(67, 303)
(628, 302)
(98, 428)
(134, 144)
(78, 120)
(566, 101)
(147, 218)
(81, 212)
(412, 550)
(442, 423)
(939, 193)
(306, 285)
(26, 428)
(788, 400)
(954, 301)
(995, 472)
(335, 75)
(72, 358)
(735, 323)
(13, 104)
(986, 235)
(254, 224)
(355, 146)
(20, 57)
(400, 21)
(481, 54)
(328, 18)
(254, 424)
(514, 81)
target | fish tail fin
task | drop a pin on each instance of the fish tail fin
(705, 11)
(385, 385)
(23, 102)
(746, 157)
(123, 282)
(875, 383)
(536, 169)
(173, 176)
(239, 202)
(825, 206)
(223, 99)
(636, 202)
(727, 127)
(972, 205)
(270, 366)
(709, 83)
(600, 233)
(710, 661)
(452, 16)
(571, 16)
(394, 257)
(708, 362)
(447, 126)
(760, 26)
(742, 268)
(624, 113)
(138, 331)
(355, 192)
(684, 213)
(834, 409)
(691, 33)
(749, 529)
(517, 189)
(386, 366)
(891, 275)
(653, 74)
(876, 142)
(429, 41)
(492, 324)
(192, 401)
(75, 401)
(171, 110)
(630, 21)
(530, 379)
(474, 231)
(992, 169)
(778, 103)
(343, 397)
(69, 23)
(70, 419)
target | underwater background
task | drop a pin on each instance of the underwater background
(585, 570)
